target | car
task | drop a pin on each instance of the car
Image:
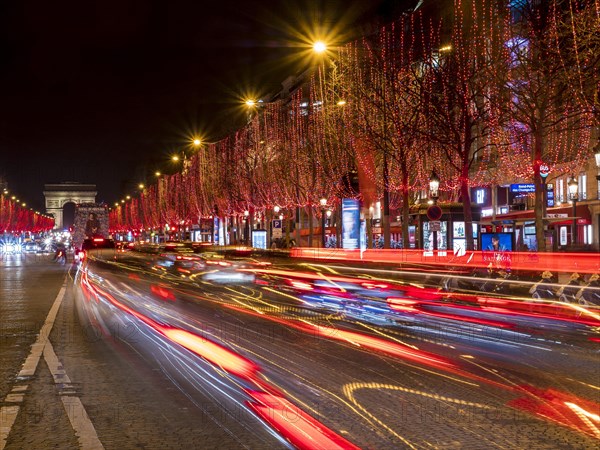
(123, 247)
(179, 257)
(31, 247)
(96, 243)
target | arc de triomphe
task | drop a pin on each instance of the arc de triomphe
(57, 195)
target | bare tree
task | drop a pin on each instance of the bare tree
(548, 125)
(460, 99)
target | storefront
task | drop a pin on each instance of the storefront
(558, 227)
(450, 230)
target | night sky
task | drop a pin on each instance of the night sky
(103, 92)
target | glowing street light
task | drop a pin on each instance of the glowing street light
(175, 158)
(323, 203)
(197, 142)
(157, 173)
(141, 185)
(128, 197)
(573, 186)
(434, 185)
(250, 102)
(319, 47)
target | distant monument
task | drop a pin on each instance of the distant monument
(58, 195)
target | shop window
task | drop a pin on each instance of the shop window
(587, 234)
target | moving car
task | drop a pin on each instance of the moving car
(93, 244)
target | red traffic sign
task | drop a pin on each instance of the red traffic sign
(434, 212)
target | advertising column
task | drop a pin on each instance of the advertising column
(350, 223)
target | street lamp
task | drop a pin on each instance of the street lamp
(319, 47)
(323, 203)
(434, 186)
(247, 227)
(434, 193)
(573, 186)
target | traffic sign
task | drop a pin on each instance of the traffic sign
(277, 228)
(434, 212)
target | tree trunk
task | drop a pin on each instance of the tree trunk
(366, 213)
(298, 225)
(466, 200)
(405, 208)
(464, 186)
(386, 204)
(539, 193)
(310, 226)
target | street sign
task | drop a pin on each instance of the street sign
(522, 188)
(434, 212)
(277, 229)
(435, 225)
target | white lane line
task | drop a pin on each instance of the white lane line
(8, 413)
(28, 369)
(80, 421)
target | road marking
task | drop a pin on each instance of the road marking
(8, 414)
(28, 369)
(80, 421)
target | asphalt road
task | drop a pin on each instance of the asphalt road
(159, 357)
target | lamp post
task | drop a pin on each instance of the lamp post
(573, 186)
(323, 203)
(434, 185)
(247, 227)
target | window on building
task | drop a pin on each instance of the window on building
(560, 190)
(582, 181)
(587, 234)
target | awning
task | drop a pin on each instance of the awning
(583, 215)
(569, 221)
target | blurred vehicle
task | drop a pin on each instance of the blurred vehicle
(179, 257)
(31, 247)
(227, 272)
(92, 244)
(60, 256)
(221, 269)
(123, 247)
